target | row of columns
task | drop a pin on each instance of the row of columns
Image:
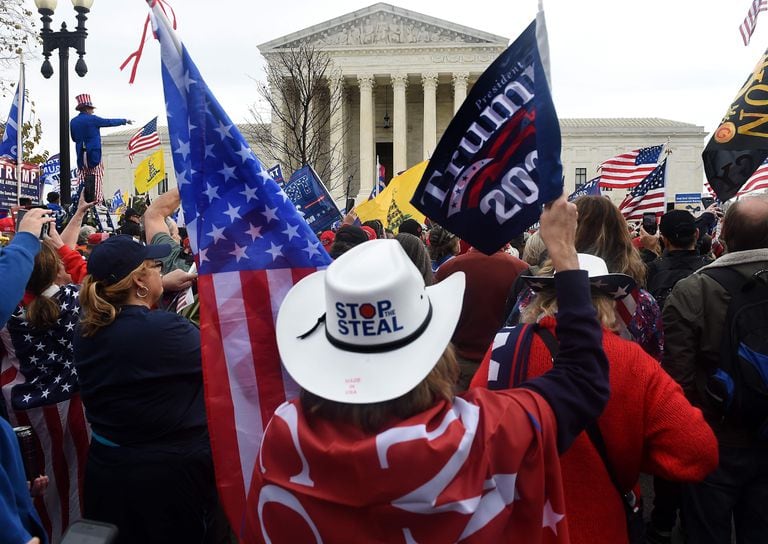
(366, 84)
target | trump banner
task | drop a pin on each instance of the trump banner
(498, 162)
(739, 145)
(312, 199)
(31, 185)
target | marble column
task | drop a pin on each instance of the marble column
(367, 160)
(429, 81)
(336, 100)
(459, 89)
(400, 125)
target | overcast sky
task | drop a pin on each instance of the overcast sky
(677, 59)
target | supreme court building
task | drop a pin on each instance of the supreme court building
(403, 75)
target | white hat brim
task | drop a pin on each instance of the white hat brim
(361, 378)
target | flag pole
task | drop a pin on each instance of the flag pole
(19, 127)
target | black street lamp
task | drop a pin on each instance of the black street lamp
(63, 40)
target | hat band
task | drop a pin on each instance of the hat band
(387, 346)
(378, 348)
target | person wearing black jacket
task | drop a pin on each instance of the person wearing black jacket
(680, 258)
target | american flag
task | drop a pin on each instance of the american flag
(628, 169)
(750, 21)
(39, 386)
(649, 196)
(757, 181)
(380, 185)
(144, 139)
(252, 246)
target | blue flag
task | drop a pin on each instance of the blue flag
(498, 162)
(591, 188)
(312, 199)
(9, 144)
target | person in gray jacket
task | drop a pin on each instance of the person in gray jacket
(695, 323)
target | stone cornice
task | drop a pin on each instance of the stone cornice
(337, 24)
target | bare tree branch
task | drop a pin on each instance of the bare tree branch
(17, 35)
(302, 101)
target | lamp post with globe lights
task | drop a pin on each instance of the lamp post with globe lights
(64, 40)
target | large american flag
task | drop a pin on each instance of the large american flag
(649, 196)
(252, 246)
(628, 169)
(750, 21)
(39, 386)
(146, 138)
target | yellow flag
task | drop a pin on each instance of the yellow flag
(149, 172)
(393, 205)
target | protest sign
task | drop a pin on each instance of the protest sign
(31, 185)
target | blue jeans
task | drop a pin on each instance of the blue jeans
(738, 490)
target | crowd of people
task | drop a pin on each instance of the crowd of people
(520, 397)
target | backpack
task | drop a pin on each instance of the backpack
(739, 386)
(668, 273)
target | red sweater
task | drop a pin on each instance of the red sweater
(648, 426)
(489, 280)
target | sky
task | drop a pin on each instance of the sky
(682, 60)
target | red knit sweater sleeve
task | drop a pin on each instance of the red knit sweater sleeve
(74, 264)
(679, 444)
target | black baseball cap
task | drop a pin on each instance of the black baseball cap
(117, 256)
(677, 223)
(411, 226)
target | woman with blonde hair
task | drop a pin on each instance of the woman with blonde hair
(149, 469)
(602, 231)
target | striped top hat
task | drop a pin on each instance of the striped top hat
(83, 101)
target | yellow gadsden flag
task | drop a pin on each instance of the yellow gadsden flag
(393, 205)
(149, 172)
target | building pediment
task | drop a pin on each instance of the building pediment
(382, 25)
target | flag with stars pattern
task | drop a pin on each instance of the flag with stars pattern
(252, 246)
(628, 169)
(648, 197)
(39, 385)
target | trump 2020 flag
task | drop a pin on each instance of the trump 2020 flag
(251, 246)
(499, 160)
(590, 188)
(740, 144)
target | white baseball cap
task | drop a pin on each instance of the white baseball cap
(367, 329)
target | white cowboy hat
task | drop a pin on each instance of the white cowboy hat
(616, 286)
(366, 329)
